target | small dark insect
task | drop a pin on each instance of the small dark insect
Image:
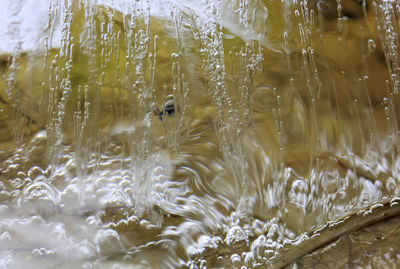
(169, 108)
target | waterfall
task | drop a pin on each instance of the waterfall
(194, 134)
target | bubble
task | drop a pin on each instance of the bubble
(236, 259)
(236, 237)
(108, 243)
(40, 191)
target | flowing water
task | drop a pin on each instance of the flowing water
(198, 134)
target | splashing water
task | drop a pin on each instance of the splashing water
(194, 134)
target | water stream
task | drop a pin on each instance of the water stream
(196, 134)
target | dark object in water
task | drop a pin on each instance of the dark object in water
(168, 110)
